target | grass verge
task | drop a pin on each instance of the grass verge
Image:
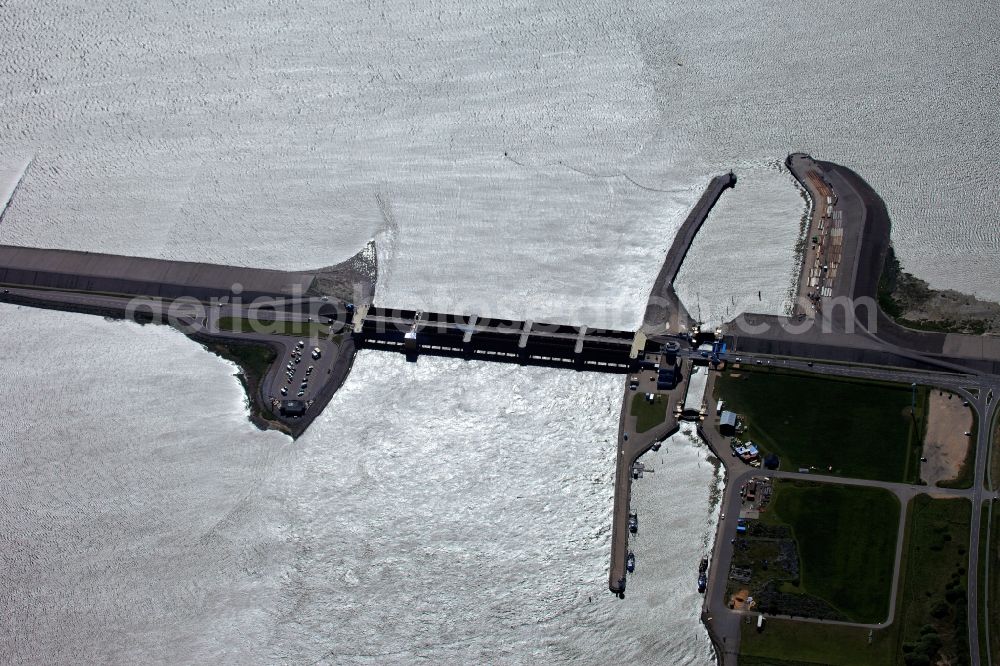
(994, 481)
(289, 328)
(930, 622)
(932, 611)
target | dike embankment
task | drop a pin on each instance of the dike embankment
(867, 231)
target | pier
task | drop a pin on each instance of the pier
(632, 444)
(664, 312)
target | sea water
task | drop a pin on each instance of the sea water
(444, 510)
(512, 159)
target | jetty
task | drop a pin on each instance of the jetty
(664, 312)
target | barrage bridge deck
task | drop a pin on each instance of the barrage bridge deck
(512, 341)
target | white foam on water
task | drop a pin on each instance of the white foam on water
(11, 174)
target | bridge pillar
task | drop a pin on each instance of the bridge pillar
(578, 349)
(359, 318)
(467, 338)
(525, 332)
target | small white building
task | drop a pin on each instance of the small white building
(694, 400)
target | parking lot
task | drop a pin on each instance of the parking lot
(303, 370)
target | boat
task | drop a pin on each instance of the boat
(703, 567)
(702, 582)
(633, 523)
(630, 563)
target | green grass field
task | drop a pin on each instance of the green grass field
(846, 541)
(289, 328)
(843, 427)
(932, 602)
(930, 617)
(648, 414)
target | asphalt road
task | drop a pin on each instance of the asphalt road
(986, 411)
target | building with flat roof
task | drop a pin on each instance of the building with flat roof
(293, 408)
(667, 378)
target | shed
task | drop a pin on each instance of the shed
(727, 423)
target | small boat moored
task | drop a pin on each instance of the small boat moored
(630, 563)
